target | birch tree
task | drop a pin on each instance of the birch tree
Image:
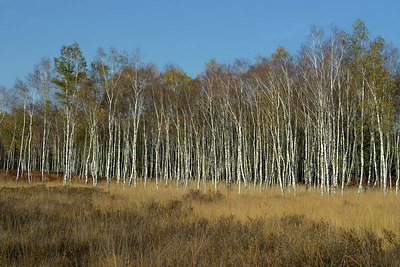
(42, 83)
(108, 69)
(139, 79)
(23, 90)
(70, 69)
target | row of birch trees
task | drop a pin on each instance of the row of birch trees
(327, 118)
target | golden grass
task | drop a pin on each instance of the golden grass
(370, 210)
(76, 224)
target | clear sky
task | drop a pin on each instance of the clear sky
(186, 33)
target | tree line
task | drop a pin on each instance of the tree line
(327, 117)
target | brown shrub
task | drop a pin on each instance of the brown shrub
(197, 195)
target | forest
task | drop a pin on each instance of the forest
(326, 118)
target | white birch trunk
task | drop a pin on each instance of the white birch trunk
(19, 166)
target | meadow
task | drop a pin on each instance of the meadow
(78, 225)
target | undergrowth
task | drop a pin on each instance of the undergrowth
(68, 226)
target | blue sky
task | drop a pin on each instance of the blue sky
(187, 33)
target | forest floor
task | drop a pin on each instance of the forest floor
(51, 224)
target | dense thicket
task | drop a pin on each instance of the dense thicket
(327, 117)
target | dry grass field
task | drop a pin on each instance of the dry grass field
(77, 225)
